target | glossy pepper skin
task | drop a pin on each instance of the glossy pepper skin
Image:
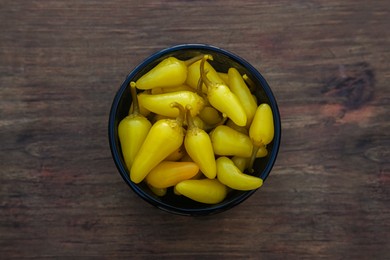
(224, 77)
(230, 175)
(177, 154)
(158, 191)
(182, 87)
(198, 146)
(240, 89)
(261, 130)
(132, 131)
(169, 72)
(240, 162)
(161, 103)
(164, 137)
(210, 115)
(221, 98)
(229, 142)
(204, 190)
(194, 74)
(167, 173)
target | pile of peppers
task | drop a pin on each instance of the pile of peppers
(195, 130)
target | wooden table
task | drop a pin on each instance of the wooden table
(61, 63)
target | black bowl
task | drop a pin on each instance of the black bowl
(223, 60)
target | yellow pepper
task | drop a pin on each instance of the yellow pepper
(229, 142)
(167, 174)
(261, 130)
(193, 75)
(169, 72)
(158, 191)
(249, 81)
(165, 136)
(204, 190)
(240, 89)
(231, 176)
(157, 117)
(198, 146)
(132, 130)
(182, 87)
(262, 151)
(241, 162)
(200, 123)
(161, 103)
(187, 158)
(210, 115)
(221, 98)
(224, 77)
(177, 154)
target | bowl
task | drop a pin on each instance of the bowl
(223, 60)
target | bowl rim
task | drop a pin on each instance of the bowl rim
(210, 209)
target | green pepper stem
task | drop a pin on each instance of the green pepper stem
(199, 88)
(193, 60)
(182, 113)
(203, 72)
(134, 97)
(255, 149)
(190, 119)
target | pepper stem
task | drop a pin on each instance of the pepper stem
(203, 72)
(182, 112)
(190, 119)
(255, 149)
(199, 88)
(193, 60)
(133, 91)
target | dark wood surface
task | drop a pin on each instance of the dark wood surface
(61, 63)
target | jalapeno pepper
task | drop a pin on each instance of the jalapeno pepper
(198, 146)
(224, 77)
(182, 87)
(177, 154)
(194, 73)
(223, 99)
(261, 130)
(161, 103)
(204, 190)
(158, 191)
(240, 89)
(249, 81)
(169, 72)
(230, 175)
(167, 174)
(241, 162)
(164, 137)
(210, 115)
(229, 142)
(132, 130)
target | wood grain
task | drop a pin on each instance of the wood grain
(61, 63)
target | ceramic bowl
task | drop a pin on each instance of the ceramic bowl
(223, 60)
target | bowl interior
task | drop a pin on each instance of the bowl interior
(223, 60)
